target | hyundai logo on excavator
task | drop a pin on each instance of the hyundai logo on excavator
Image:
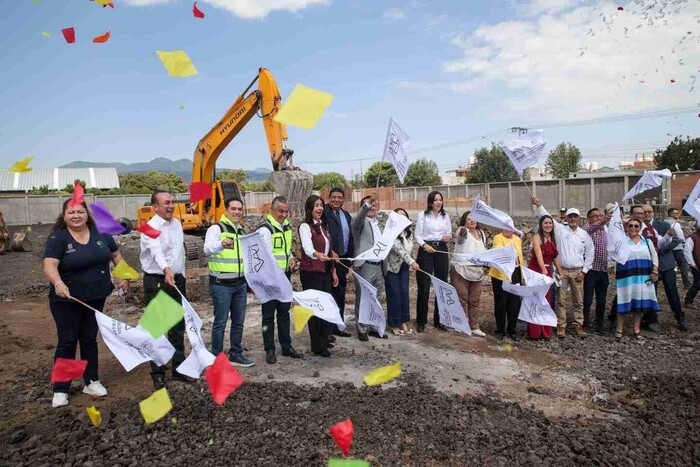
(230, 123)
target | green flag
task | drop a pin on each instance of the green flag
(336, 462)
(161, 314)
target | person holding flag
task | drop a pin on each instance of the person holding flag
(506, 306)
(544, 259)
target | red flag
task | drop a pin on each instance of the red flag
(342, 434)
(149, 231)
(78, 195)
(69, 35)
(65, 370)
(197, 12)
(222, 378)
(102, 39)
(199, 191)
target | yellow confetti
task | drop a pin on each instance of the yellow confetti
(301, 317)
(95, 416)
(22, 166)
(46, 34)
(103, 2)
(508, 347)
(383, 374)
(156, 406)
(177, 62)
(123, 271)
(304, 107)
(174, 420)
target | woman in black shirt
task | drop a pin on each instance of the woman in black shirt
(76, 263)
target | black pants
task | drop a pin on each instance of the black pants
(595, 282)
(506, 306)
(152, 284)
(269, 311)
(76, 324)
(668, 278)
(693, 290)
(437, 264)
(339, 292)
(318, 330)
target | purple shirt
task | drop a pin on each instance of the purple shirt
(600, 245)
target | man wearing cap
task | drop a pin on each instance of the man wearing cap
(597, 279)
(576, 257)
(692, 256)
(562, 216)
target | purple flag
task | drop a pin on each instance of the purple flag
(104, 220)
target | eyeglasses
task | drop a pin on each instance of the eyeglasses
(634, 226)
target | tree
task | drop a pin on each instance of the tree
(329, 180)
(422, 172)
(250, 185)
(232, 175)
(563, 160)
(383, 171)
(491, 165)
(679, 155)
(142, 183)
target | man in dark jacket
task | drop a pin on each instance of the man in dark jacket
(667, 269)
(339, 224)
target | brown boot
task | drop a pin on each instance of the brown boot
(561, 331)
(581, 332)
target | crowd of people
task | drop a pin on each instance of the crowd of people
(77, 257)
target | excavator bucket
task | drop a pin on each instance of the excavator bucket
(295, 185)
(20, 242)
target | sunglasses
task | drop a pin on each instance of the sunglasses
(633, 226)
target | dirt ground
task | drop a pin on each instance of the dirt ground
(460, 401)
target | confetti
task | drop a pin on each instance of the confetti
(196, 11)
(301, 317)
(156, 406)
(620, 8)
(94, 415)
(69, 35)
(304, 107)
(342, 434)
(66, 369)
(383, 374)
(123, 271)
(78, 194)
(161, 314)
(333, 462)
(105, 223)
(22, 166)
(222, 378)
(199, 191)
(148, 231)
(46, 35)
(102, 39)
(177, 63)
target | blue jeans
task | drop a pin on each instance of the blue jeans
(228, 298)
(396, 285)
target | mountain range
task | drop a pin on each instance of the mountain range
(180, 167)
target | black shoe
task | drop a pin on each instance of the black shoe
(290, 352)
(683, 324)
(270, 357)
(158, 381)
(420, 328)
(329, 345)
(323, 353)
(612, 318)
(441, 327)
(500, 335)
(340, 333)
(363, 336)
(599, 330)
(514, 337)
(182, 378)
(331, 338)
(376, 334)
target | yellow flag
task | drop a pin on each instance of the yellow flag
(156, 406)
(46, 34)
(177, 63)
(304, 107)
(383, 374)
(123, 271)
(21, 166)
(103, 2)
(301, 316)
(94, 415)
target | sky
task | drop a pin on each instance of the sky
(455, 75)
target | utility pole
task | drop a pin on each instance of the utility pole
(518, 129)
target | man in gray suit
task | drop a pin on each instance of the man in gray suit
(365, 229)
(667, 270)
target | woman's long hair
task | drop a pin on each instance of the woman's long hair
(540, 231)
(61, 222)
(308, 209)
(431, 200)
(407, 230)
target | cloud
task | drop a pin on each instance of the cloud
(246, 9)
(583, 60)
(393, 14)
(538, 7)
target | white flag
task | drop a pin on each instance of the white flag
(371, 311)
(395, 224)
(199, 357)
(503, 258)
(322, 304)
(692, 205)
(397, 149)
(133, 345)
(482, 212)
(650, 180)
(534, 307)
(618, 248)
(525, 150)
(263, 274)
(533, 310)
(450, 310)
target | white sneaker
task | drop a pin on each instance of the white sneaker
(478, 332)
(59, 399)
(96, 389)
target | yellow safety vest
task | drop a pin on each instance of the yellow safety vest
(281, 240)
(228, 263)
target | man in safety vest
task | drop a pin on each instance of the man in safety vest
(276, 231)
(229, 291)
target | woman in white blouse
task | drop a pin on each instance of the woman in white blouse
(466, 277)
(396, 280)
(433, 232)
(317, 271)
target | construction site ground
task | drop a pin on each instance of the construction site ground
(460, 401)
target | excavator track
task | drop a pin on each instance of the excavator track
(295, 185)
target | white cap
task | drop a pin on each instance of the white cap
(609, 207)
(572, 211)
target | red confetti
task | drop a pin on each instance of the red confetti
(78, 195)
(222, 379)
(199, 191)
(65, 370)
(69, 35)
(620, 8)
(102, 39)
(342, 434)
(148, 231)
(197, 12)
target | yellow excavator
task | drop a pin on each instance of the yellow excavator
(286, 179)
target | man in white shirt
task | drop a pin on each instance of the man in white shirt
(576, 253)
(692, 256)
(673, 216)
(163, 265)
